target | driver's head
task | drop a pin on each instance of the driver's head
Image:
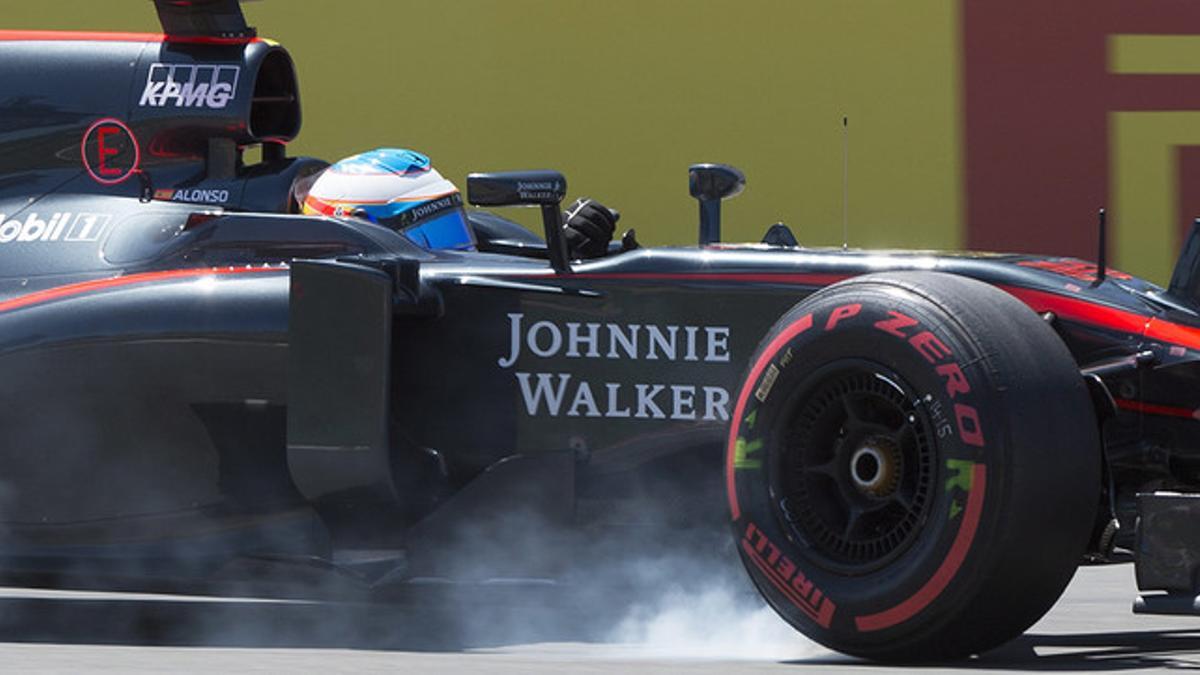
(398, 189)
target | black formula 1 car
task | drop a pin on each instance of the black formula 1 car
(914, 450)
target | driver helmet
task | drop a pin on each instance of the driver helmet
(395, 188)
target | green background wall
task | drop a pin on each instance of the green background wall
(622, 95)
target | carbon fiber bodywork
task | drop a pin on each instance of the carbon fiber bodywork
(192, 373)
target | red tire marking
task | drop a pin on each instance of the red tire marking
(945, 572)
(823, 617)
(795, 328)
(963, 414)
(894, 325)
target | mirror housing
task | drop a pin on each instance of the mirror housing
(710, 184)
(516, 188)
(545, 189)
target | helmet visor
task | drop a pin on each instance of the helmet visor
(448, 229)
(435, 223)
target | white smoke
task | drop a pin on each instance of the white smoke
(719, 619)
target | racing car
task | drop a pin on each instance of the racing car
(913, 451)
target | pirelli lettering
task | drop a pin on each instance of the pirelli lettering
(784, 575)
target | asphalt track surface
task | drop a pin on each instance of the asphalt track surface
(1091, 629)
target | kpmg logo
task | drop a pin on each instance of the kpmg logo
(179, 85)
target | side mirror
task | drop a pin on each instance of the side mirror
(516, 188)
(710, 184)
(527, 188)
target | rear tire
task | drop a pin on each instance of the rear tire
(913, 467)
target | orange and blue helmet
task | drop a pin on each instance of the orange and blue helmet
(398, 189)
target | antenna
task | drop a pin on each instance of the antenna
(1102, 254)
(845, 182)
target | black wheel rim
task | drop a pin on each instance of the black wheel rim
(854, 477)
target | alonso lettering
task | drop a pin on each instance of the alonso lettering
(194, 195)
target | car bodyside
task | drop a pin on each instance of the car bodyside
(193, 373)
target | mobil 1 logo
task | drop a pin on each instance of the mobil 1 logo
(188, 85)
(63, 226)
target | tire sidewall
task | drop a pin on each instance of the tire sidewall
(903, 334)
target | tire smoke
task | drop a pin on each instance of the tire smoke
(723, 620)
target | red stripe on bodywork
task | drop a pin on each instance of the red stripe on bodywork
(1073, 309)
(91, 36)
(1174, 333)
(71, 290)
(749, 277)
(1156, 409)
(1080, 310)
(1083, 311)
(945, 572)
(797, 327)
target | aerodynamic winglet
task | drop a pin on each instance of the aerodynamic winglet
(214, 18)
